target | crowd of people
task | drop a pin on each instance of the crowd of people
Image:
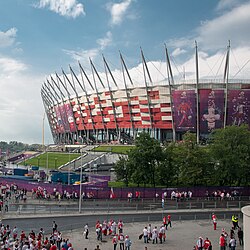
(42, 193)
(12, 239)
(113, 231)
(11, 192)
(156, 234)
(225, 239)
(222, 194)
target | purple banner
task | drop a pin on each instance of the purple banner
(64, 117)
(184, 110)
(211, 109)
(238, 107)
(70, 116)
(52, 121)
(60, 127)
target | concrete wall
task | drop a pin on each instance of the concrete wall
(246, 224)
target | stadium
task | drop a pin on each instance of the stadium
(80, 110)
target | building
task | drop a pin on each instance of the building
(166, 110)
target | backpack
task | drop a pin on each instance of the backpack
(130, 243)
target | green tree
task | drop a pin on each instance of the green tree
(230, 150)
(167, 173)
(191, 161)
(123, 170)
(145, 157)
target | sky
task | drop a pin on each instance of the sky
(40, 37)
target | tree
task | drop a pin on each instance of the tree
(123, 170)
(167, 173)
(142, 161)
(190, 159)
(230, 150)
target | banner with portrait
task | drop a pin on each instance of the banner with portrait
(64, 117)
(184, 110)
(59, 125)
(70, 117)
(211, 113)
(238, 107)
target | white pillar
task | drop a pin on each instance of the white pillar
(246, 226)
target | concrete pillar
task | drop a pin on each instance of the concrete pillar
(246, 226)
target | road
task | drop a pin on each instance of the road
(71, 222)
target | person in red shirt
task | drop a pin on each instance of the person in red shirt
(169, 220)
(207, 244)
(22, 236)
(214, 219)
(46, 241)
(39, 244)
(222, 242)
(53, 247)
(165, 222)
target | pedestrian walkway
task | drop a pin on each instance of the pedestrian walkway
(182, 235)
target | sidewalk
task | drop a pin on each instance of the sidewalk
(183, 235)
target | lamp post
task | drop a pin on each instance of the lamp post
(47, 164)
(80, 195)
(69, 170)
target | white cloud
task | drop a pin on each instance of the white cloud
(68, 8)
(8, 38)
(118, 11)
(214, 34)
(227, 4)
(10, 66)
(232, 25)
(21, 107)
(84, 55)
(186, 42)
(106, 41)
(178, 51)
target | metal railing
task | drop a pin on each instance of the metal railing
(119, 205)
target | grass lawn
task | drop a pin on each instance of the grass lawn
(55, 160)
(114, 149)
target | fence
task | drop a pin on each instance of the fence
(100, 190)
(120, 205)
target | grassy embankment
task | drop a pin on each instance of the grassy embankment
(114, 149)
(55, 160)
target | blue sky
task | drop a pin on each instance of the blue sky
(38, 37)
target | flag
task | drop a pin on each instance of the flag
(112, 194)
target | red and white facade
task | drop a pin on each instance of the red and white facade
(120, 114)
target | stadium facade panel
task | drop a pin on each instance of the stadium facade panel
(165, 111)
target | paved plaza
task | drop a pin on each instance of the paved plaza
(182, 236)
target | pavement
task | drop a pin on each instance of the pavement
(188, 225)
(182, 236)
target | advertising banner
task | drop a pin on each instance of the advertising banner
(52, 122)
(64, 117)
(70, 116)
(60, 127)
(211, 109)
(184, 110)
(238, 107)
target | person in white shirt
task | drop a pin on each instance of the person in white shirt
(86, 231)
(155, 235)
(145, 234)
